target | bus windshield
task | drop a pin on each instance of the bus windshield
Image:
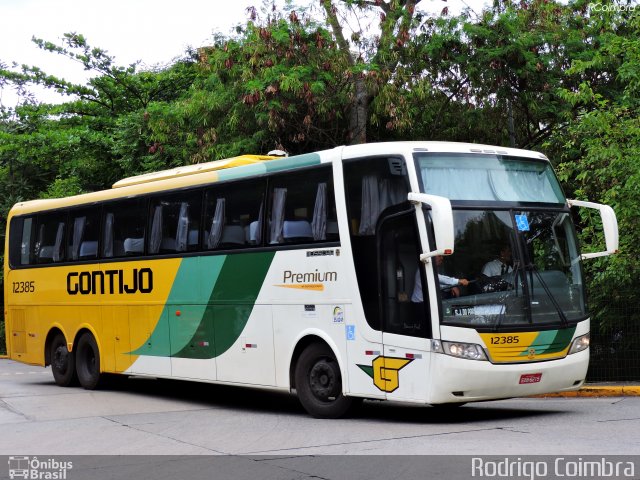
(523, 269)
(521, 261)
(461, 176)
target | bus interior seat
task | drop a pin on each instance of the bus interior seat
(88, 249)
(252, 232)
(192, 238)
(297, 230)
(133, 245)
(168, 244)
(46, 253)
(233, 235)
(118, 248)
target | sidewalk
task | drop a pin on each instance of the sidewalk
(620, 389)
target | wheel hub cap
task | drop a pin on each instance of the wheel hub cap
(323, 381)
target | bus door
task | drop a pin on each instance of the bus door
(404, 308)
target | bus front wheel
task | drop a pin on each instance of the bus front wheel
(319, 383)
(88, 361)
(63, 365)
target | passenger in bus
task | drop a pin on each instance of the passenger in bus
(448, 285)
(500, 266)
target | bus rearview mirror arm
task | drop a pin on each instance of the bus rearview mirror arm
(609, 225)
(442, 218)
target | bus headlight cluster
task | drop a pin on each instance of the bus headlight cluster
(579, 344)
(470, 351)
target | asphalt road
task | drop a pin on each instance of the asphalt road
(147, 416)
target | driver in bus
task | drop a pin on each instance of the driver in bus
(448, 285)
(500, 266)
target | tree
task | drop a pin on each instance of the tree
(599, 151)
(279, 83)
(376, 63)
(79, 145)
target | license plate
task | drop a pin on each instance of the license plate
(530, 378)
(468, 310)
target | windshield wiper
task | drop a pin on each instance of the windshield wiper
(563, 317)
(521, 270)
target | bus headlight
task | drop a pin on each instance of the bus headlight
(470, 351)
(579, 344)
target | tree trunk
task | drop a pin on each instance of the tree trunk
(359, 113)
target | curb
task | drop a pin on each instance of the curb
(598, 391)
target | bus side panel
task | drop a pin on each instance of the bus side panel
(20, 335)
(16, 333)
(36, 305)
(293, 322)
(250, 358)
(309, 291)
(115, 341)
(149, 337)
(192, 342)
(206, 316)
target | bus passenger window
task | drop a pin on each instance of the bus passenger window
(49, 246)
(302, 208)
(373, 184)
(83, 234)
(21, 238)
(233, 215)
(124, 228)
(175, 222)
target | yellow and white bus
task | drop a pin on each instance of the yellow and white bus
(330, 274)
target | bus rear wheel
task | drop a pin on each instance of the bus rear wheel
(319, 383)
(88, 362)
(63, 364)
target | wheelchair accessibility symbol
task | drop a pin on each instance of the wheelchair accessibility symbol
(522, 222)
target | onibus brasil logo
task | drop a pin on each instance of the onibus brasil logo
(385, 372)
(33, 468)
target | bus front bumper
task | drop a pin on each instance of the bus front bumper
(456, 380)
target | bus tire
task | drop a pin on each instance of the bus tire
(88, 361)
(63, 364)
(319, 383)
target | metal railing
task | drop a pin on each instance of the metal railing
(615, 346)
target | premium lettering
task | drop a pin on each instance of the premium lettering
(110, 282)
(309, 277)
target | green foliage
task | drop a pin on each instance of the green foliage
(63, 187)
(599, 151)
(280, 85)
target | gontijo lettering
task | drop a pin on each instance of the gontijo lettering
(110, 282)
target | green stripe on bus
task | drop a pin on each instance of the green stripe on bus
(230, 305)
(305, 160)
(561, 340)
(288, 163)
(550, 341)
(188, 279)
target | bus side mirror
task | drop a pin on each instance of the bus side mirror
(442, 218)
(609, 225)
